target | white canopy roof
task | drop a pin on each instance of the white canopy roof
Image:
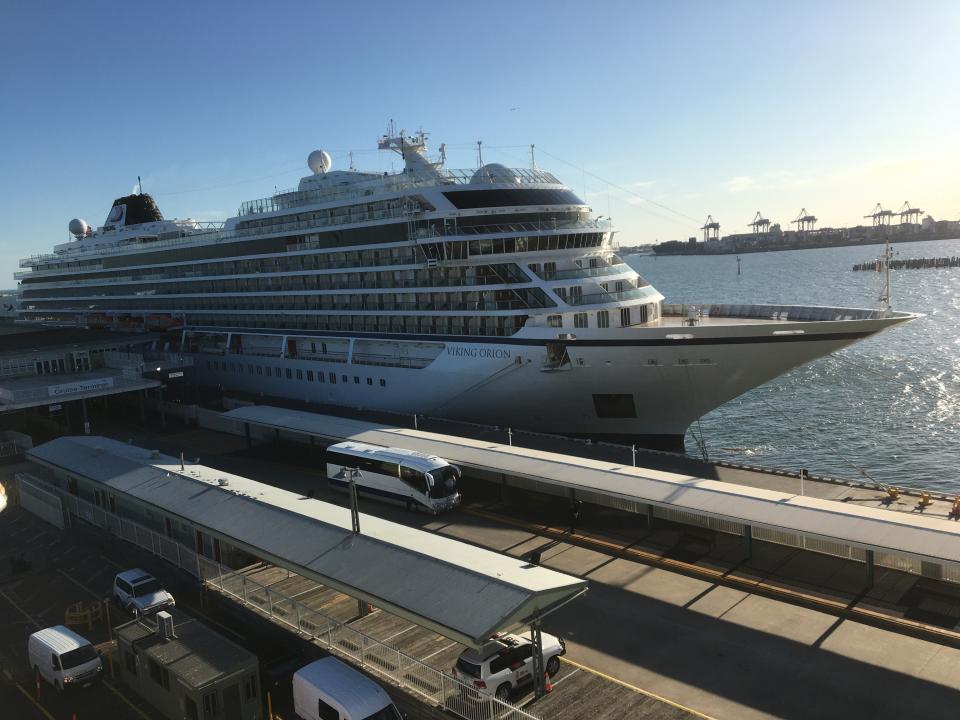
(461, 591)
(927, 538)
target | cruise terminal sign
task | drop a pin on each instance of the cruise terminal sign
(79, 387)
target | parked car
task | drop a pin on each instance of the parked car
(506, 662)
(63, 658)
(328, 689)
(139, 592)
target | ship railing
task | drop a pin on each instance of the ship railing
(580, 273)
(454, 229)
(204, 237)
(286, 199)
(416, 363)
(785, 313)
(611, 296)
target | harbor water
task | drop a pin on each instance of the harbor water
(885, 409)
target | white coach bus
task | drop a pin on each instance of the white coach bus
(413, 479)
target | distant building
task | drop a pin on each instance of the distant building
(194, 674)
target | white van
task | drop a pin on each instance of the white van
(63, 658)
(328, 689)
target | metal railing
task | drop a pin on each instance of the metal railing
(386, 661)
(435, 686)
(611, 296)
(787, 313)
(286, 199)
(584, 272)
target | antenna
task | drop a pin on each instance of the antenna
(443, 153)
(479, 153)
(533, 158)
(139, 186)
(350, 154)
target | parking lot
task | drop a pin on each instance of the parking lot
(79, 564)
(61, 573)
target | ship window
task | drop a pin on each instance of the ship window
(580, 320)
(309, 375)
(614, 406)
(289, 374)
(333, 378)
(276, 371)
(383, 383)
(369, 381)
(470, 199)
(356, 379)
(259, 370)
(603, 319)
(555, 320)
(344, 378)
(625, 317)
(299, 374)
(268, 371)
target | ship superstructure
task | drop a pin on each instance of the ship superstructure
(491, 295)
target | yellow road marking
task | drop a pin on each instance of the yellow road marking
(39, 707)
(123, 697)
(627, 685)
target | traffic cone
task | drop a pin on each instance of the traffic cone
(548, 686)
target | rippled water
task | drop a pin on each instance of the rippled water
(885, 408)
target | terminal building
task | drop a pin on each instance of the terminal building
(52, 376)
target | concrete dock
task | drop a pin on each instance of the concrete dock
(724, 650)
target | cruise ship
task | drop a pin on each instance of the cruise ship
(491, 295)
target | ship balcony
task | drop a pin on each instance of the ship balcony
(448, 228)
(582, 273)
(612, 296)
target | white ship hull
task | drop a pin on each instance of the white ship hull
(670, 380)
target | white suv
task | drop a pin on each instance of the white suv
(506, 662)
(139, 592)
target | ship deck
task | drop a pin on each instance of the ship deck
(708, 321)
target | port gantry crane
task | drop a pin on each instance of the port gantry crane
(760, 224)
(881, 217)
(805, 221)
(909, 215)
(711, 229)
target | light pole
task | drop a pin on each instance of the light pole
(362, 606)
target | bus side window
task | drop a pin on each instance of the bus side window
(414, 479)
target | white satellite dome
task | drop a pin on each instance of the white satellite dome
(494, 173)
(319, 162)
(78, 227)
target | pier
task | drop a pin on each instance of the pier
(910, 264)
(688, 615)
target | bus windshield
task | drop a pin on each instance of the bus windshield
(445, 481)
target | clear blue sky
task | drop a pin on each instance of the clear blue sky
(705, 107)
